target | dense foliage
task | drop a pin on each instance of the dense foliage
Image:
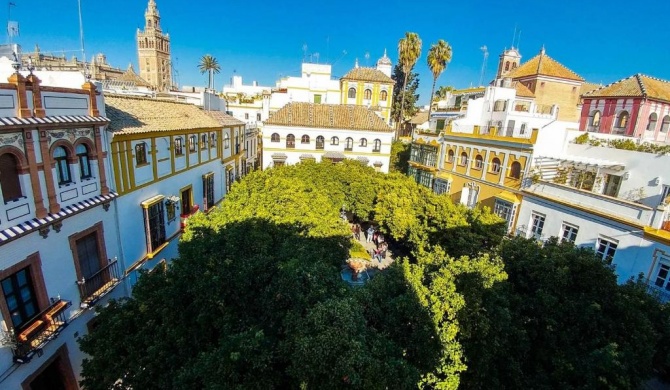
(255, 300)
(399, 91)
(624, 144)
(400, 152)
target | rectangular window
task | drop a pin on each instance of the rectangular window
(20, 297)
(141, 153)
(439, 125)
(612, 185)
(192, 143)
(203, 141)
(170, 208)
(424, 155)
(258, 117)
(536, 225)
(441, 187)
(665, 194)
(473, 197)
(246, 115)
(186, 201)
(569, 233)
(506, 211)
(208, 190)
(606, 249)
(178, 146)
(317, 99)
(662, 277)
(212, 140)
(421, 177)
(155, 222)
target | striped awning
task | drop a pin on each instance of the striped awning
(279, 156)
(34, 224)
(332, 154)
(53, 120)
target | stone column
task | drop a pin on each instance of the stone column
(34, 83)
(100, 157)
(40, 210)
(20, 83)
(54, 206)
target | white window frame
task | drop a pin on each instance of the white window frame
(603, 246)
(659, 281)
(505, 210)
(442, 186)
(536, 225)
(569, 229)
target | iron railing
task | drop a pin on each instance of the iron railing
(31, 337)
(99, 284)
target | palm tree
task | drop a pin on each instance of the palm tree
(439, 56)
(442, 92)
(211, 65)
(409, 51)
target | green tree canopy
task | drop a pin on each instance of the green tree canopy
(210, 65)
(439, 56)
(405, 88)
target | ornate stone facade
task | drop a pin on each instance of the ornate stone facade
(153, 51)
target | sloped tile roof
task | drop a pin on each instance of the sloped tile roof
(333, 116)
(225, 119)
(544, 65)
(130, 75)
(419, 118)
(368, 74)
(522, 90)
(637, 85)
(131, 115)
(588, 87)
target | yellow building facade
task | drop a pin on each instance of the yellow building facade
(369, 87)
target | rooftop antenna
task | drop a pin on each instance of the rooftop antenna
(304, 52)
(81, 33)
(485, 50)
(317, 55)
(12, 26)
(514, 36)
(175, 72)
(367, 58)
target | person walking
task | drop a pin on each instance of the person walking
(371, 231)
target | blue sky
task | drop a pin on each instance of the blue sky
(263, 40)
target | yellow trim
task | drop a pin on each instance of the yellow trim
(445, 176)
(155, 252)
(153, 158)
(152, 201)
(131, 164)
(167, 133)
(171, 149)
(422, 167)
(206, 175)
(660, 235)
(123, 159)
(508, 197)
(321, 151)
(115, 165)
(188, 187)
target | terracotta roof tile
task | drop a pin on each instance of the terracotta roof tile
(368, 74)
(544, 65)
(130, 75)
(637, 85)
(130, 115)
(522, 90)
(419, 118)
(588, 87)
(334, 116)
(224, 119)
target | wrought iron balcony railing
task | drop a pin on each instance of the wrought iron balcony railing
(99, 284)
(29, 339)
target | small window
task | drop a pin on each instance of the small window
(506, 66)
(352, 93)
(304, 139)
(204, 143)
(179, 146)
(62, 167)
(226, 141)
(10, 184)
(595, 118)
(653, 118)
(495, 165)
(479, 162)
(505, 210)
(622, 120)
(290, 141)
(212, 140)
(317, 99)
(515, 170)
(522, 130)
(349, 144)
(450, 156)
(84, 163)
(186, 201)
(319, 142)
(441, 187)
(537, 225)
(662, 279)
(20, 297)
(208, 191)
(192, 143)
(377, 146)
(155, 221)
(383, 95)
(606, 249)
(274, 137)
(363, 142)
(246, 115)
(334, 141)
(258, 117)
(665, 124)
(569, 233)
(464, 159)
(367, 94)
(439, 125)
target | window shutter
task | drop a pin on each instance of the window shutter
(465, 195)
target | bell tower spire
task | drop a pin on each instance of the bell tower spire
(152, 17)
(153, 51)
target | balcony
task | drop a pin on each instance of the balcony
(98, 285)
(30, 338)
(603, 205)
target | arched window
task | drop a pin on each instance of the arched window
(595, 118)
(515, 170)
(377, 146)
(304, 139)
(363, 142)
(274, 137)
(507, 66)
(513, 65)
(367, 94)
(204, 143)
(226, 141)
(495, 165)
(9, 178)
(178, 146)
(349, 144)
(383, 95)
(479, 161)
(141, 153)
(290, 141)
(450, 156)
(192, 141)
(352, 93)
(653, 118)
(464, 159)
(334, 141)
(62, 168)
(84, 164)
(319, 142)
(622, 120)
(665, 124)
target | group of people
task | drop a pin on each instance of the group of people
(379, 253)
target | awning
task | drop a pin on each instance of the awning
(586, 161)
(279, 156)
(331, 154)
(307, 156)
(54, 120)
(364, 160)
(378, 163)
(509, 197)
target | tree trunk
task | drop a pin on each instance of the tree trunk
(210, 78)
(402, 107)
(432, 93)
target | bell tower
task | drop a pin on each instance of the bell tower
(153, 50)
(509, 60)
